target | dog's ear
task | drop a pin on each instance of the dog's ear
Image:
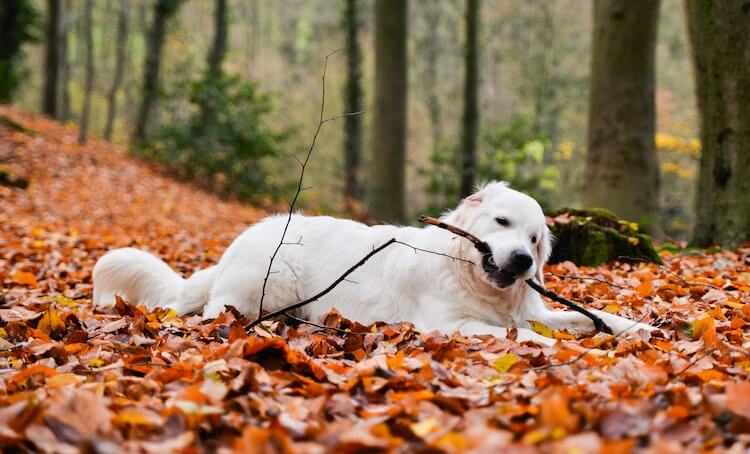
(476, 198)
(543, 251)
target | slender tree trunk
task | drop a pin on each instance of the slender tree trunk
(622, 171)
(122, 41)
(353, 95)
(163, 10)
(51, 59)
(471, 101)
(431, 53)
(387, 194)
(88, 39)
(219, 47)
(720, 41)
(65, 62)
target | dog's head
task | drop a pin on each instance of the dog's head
(513, 225)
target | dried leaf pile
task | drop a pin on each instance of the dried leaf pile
(76, 378)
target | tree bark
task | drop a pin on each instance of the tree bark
(65, 62)
(387, 195)
(163, 11)
(432, 50)
(17, 22)
(219, 47)
(122, 38)
(88, 39)
(622, 171)
(353, 95)
(720, 41)
(470, 121)
(51, 59)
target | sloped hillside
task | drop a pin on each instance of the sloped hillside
(76, 379)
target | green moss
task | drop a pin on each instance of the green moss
(593, 237)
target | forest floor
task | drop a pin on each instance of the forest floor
(75, 378)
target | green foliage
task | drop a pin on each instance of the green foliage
(513, 154)
(220, 137)
(18, 23)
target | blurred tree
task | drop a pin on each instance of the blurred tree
(353, 95)
(622, 172)
(429, 46)
(52, 59)
(88, 38)
(720, 42)
(17, 22)
(64, 90)
(163, 11)
(120, 57)
(219, 46)
(470, 123)
(386, 194)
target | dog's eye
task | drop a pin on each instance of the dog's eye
(502, 221)
(533, 239)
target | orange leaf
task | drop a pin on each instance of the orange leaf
(24, 278)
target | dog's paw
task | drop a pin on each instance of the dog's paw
(529, 335)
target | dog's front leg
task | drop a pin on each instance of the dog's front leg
(577, 323)
(476, 327)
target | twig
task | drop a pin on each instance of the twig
(586, 278)
(327, 290)
(303, 165)
(317, 325)
(695, 361)
(435, 253)
(490, 267)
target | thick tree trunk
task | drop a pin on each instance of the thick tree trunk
(431, 52)
(386, 194)
(720, 39)
(471, 101)
(353, 95)
(622, 172)
(88, 39)
(122, 38)
(163, 10)
(51, 58)
(65, 62)
(16, 25)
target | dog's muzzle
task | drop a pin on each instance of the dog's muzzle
(518, 263)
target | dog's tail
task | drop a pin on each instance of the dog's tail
(141, 278)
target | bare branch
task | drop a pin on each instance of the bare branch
(333, 285)
(436, 253)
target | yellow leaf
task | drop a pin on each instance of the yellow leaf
(535, 436)
(423, 428)
(453, 440)
(63, 301)
(51, 321)
(3, 333)
(612, 308)
(96, 362)
(65, 380)
(505, 362)
(541, 328)
(134, 418)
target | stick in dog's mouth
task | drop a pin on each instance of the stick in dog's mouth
(505, 278)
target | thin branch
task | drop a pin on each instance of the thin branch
(347, 114)
(490, 267)
(586, 278)
(435, 253)
(695, 361)
(322, 327)
(333, 285)
(303, 164)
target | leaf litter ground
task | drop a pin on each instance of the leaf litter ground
(76, 378)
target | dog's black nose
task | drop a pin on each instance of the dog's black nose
(519, 262)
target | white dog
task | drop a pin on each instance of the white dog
(398, 284)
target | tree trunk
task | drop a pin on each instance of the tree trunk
(65, 62)
(431, 51)
(720, 41)
(353, 95)
(219, 47)
(122, 38)
(387, 195)
(17, 23)
(622, 171)
(88, 39)
(163, 10)
(471, 101)
(51, 59)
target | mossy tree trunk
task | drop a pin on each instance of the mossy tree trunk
(720, 38)
(386, 194)
(622, 172)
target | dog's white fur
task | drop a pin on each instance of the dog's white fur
(398, 284)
